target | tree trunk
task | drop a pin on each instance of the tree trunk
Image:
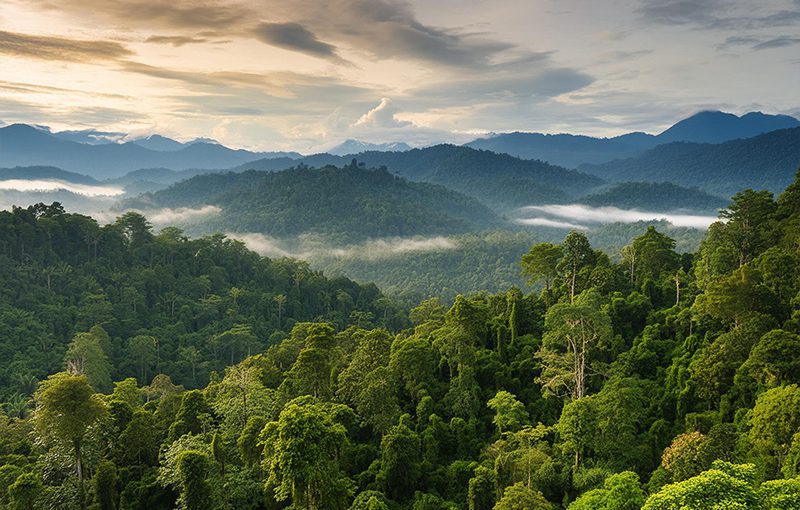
(79, 470)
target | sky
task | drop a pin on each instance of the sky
(304, 75)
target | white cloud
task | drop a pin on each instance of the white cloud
(586, 214)
(382, 116)
(545, 222)
(49, 186)
(308, 248)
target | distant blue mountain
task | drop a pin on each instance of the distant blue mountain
(767, 161)
(159, 143)
(23, 145)
(574, 150)
(357, 146)
(719, 127)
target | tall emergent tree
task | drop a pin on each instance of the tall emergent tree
(66, 407)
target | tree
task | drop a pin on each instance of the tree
(399, 470)
(481, 489)
(750, 223)
(86, 355)
(650, 254)
(510, 413)
(576, 253)
(193, 469)
(519, 497)
(65, 409)
(24, 492)
(621, 491)
(775, 359)
(724, 486)
(573, 331)
(143, 348)
(775, 419)
(105, 486)
(541, 263)
(301, 455)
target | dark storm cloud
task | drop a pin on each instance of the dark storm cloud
(59, 48)
(295, 37)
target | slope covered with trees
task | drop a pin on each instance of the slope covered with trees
(663, 382)
(349, 204)
(766, 161)
(500, 181)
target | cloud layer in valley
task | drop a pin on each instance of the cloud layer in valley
(314, 249)
(577, 216)
(46, 186)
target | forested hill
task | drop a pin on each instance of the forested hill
(664, 382)
(652, 196)
(157, 302)
(348, 204)
(500, 181)
(767, 162)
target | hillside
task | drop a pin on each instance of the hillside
(349, 203)
(767, 161)
(500, 181)
(651, 196)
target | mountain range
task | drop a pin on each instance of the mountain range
(572, 151)
(23, 145)
(768, 161)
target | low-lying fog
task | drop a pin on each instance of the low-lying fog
(583, 217)
(310, 248)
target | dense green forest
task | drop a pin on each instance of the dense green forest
(766, 162)
(500, 181)
(351, 203)
(663, 381)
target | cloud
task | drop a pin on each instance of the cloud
(214, 14)
(545, 222)
(777, 42)
(587, 214)
(312, 249)
(50, 186)
(392, 247)
(59, 48)
(175, 40)
(162, 216)
(265, 246)
(679, 12)
(718, 14)
(295, 37)
(382, 115)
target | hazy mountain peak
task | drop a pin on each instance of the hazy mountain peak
(159, 143)
(717, 127)
(357, 146)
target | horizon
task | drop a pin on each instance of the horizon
(120, 138)
(299, 76)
